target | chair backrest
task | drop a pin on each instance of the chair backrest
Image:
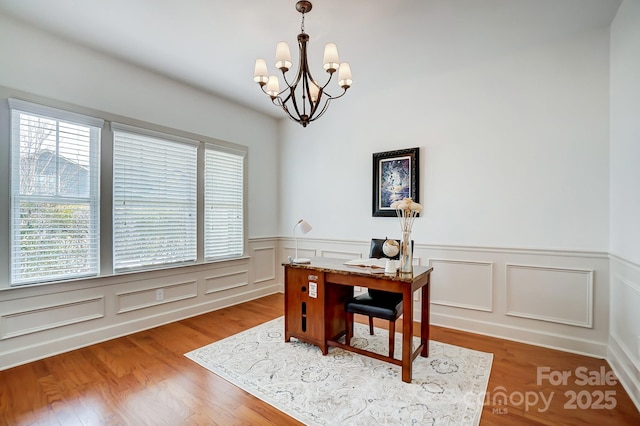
(377, 252)
(376, 249)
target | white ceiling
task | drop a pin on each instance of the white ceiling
(212, 44)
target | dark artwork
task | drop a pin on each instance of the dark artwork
(395, 177)
(395, 180)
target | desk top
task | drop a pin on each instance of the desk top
(335, 265)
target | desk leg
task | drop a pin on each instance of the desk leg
(407, 335)
(424, 320)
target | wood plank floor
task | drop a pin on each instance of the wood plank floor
(144, 379)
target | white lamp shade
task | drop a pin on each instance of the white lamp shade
(283, 56)
(344, 76)
(273, 87)
(260, 73)
(314, 90)
(331, 60)
(303, 226)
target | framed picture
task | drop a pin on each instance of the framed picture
(395, 176)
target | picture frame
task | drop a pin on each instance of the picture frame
(395, 176)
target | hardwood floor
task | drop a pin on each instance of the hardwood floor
(144, 379)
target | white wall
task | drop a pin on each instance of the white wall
(514, 150)
(625, 196)
(38, 63)
(625, 132)
(40, 320)
(514, 179)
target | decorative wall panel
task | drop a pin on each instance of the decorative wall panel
(550, 294)
(462, 284)
(49, 317)
(159, 295)
(226, 281)
(346, 255)
(264, 261)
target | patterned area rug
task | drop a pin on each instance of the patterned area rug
(349, 389)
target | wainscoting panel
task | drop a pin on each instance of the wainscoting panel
(625, 304)
(140, 299)
(43, 320)
(346, 255)
(226, 279)
(302, 252)
(461, 283)
(558, 295)
(624, 340)
(264, 261)
(472, 291)
(191, 290)
(48, 317)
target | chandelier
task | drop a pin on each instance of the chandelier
(304, 99)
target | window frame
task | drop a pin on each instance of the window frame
(105, 199)
(242, 156)
(18, 107)
(143, 137)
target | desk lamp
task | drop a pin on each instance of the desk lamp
(304, 227)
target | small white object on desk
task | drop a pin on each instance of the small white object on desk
(391, 267)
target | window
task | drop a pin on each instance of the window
(170, 200)
(223, 200)
(154, 199)
(54, 193)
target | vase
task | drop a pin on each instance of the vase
(406, 254)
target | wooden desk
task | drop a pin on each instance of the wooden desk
(315, 293)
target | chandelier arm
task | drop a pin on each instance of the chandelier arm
(284, 77)
(294, 87)
(286, 98)
(307, 92)
(278, 101)
(294, 101)
(339, 96)
(326, 105)
(322, 111)
(313, 116)
(314, 105)
(301, 77)
(304, 74)
(329, 80)
(286, 109)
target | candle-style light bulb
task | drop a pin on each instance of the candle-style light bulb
(273, 87)
(260, 72)
(344, 76)
(283, 56)
(331, 62)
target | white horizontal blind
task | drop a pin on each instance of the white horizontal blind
(54, 194)
(154, 201)
(224, 204)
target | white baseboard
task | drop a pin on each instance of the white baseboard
(626, 370)
(522, 335)
(26, 354)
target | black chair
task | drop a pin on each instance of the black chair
(376, 303)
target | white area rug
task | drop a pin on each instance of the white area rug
(344, 388)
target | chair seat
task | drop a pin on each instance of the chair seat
(379, 304)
